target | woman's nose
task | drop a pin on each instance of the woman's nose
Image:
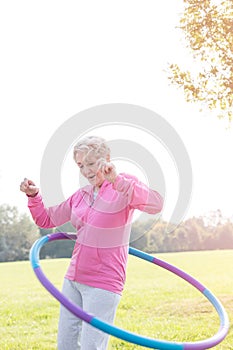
(86, 171)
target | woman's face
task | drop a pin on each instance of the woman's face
(89, 167)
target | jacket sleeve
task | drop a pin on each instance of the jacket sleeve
(140, 196)
(49, 217)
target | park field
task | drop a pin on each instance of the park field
(155, 303)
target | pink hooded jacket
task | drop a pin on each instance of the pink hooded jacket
(103, 228)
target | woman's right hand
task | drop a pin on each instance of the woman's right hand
(28, 186)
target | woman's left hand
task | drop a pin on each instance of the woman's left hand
(108, 169)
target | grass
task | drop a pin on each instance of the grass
(155, 303)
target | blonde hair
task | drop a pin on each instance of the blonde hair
(92, 144)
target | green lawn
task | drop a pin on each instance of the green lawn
(155, 303)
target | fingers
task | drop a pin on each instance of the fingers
(28, 186)
(104, 166)
(24, 185)
(30, 183)
(108, 169)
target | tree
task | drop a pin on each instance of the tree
(17, 234)
(58, 249)
(225, 236)
(138, 237)
(156, 237)
(195, 233)
(208, 29)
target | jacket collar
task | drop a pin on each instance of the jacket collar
(89, 188)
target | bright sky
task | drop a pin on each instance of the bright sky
(59, 58)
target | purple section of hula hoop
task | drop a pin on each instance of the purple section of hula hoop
(60, 235)
(77, 311)
(209, 343)
(179, 273)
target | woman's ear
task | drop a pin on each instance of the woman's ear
(108, 157)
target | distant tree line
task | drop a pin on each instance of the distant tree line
(18, 233)
(198, 233)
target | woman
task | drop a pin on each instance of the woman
(102, 214)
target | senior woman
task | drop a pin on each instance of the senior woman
(102, 214)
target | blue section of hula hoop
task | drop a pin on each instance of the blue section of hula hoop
(121, 333)
(141, 254)
(35, 251)
(218, 306)
(135, 338)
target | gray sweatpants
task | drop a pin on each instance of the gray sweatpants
(75, 334)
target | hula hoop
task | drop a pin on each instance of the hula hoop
(121, 333)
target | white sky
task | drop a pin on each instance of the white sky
(61, 57)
